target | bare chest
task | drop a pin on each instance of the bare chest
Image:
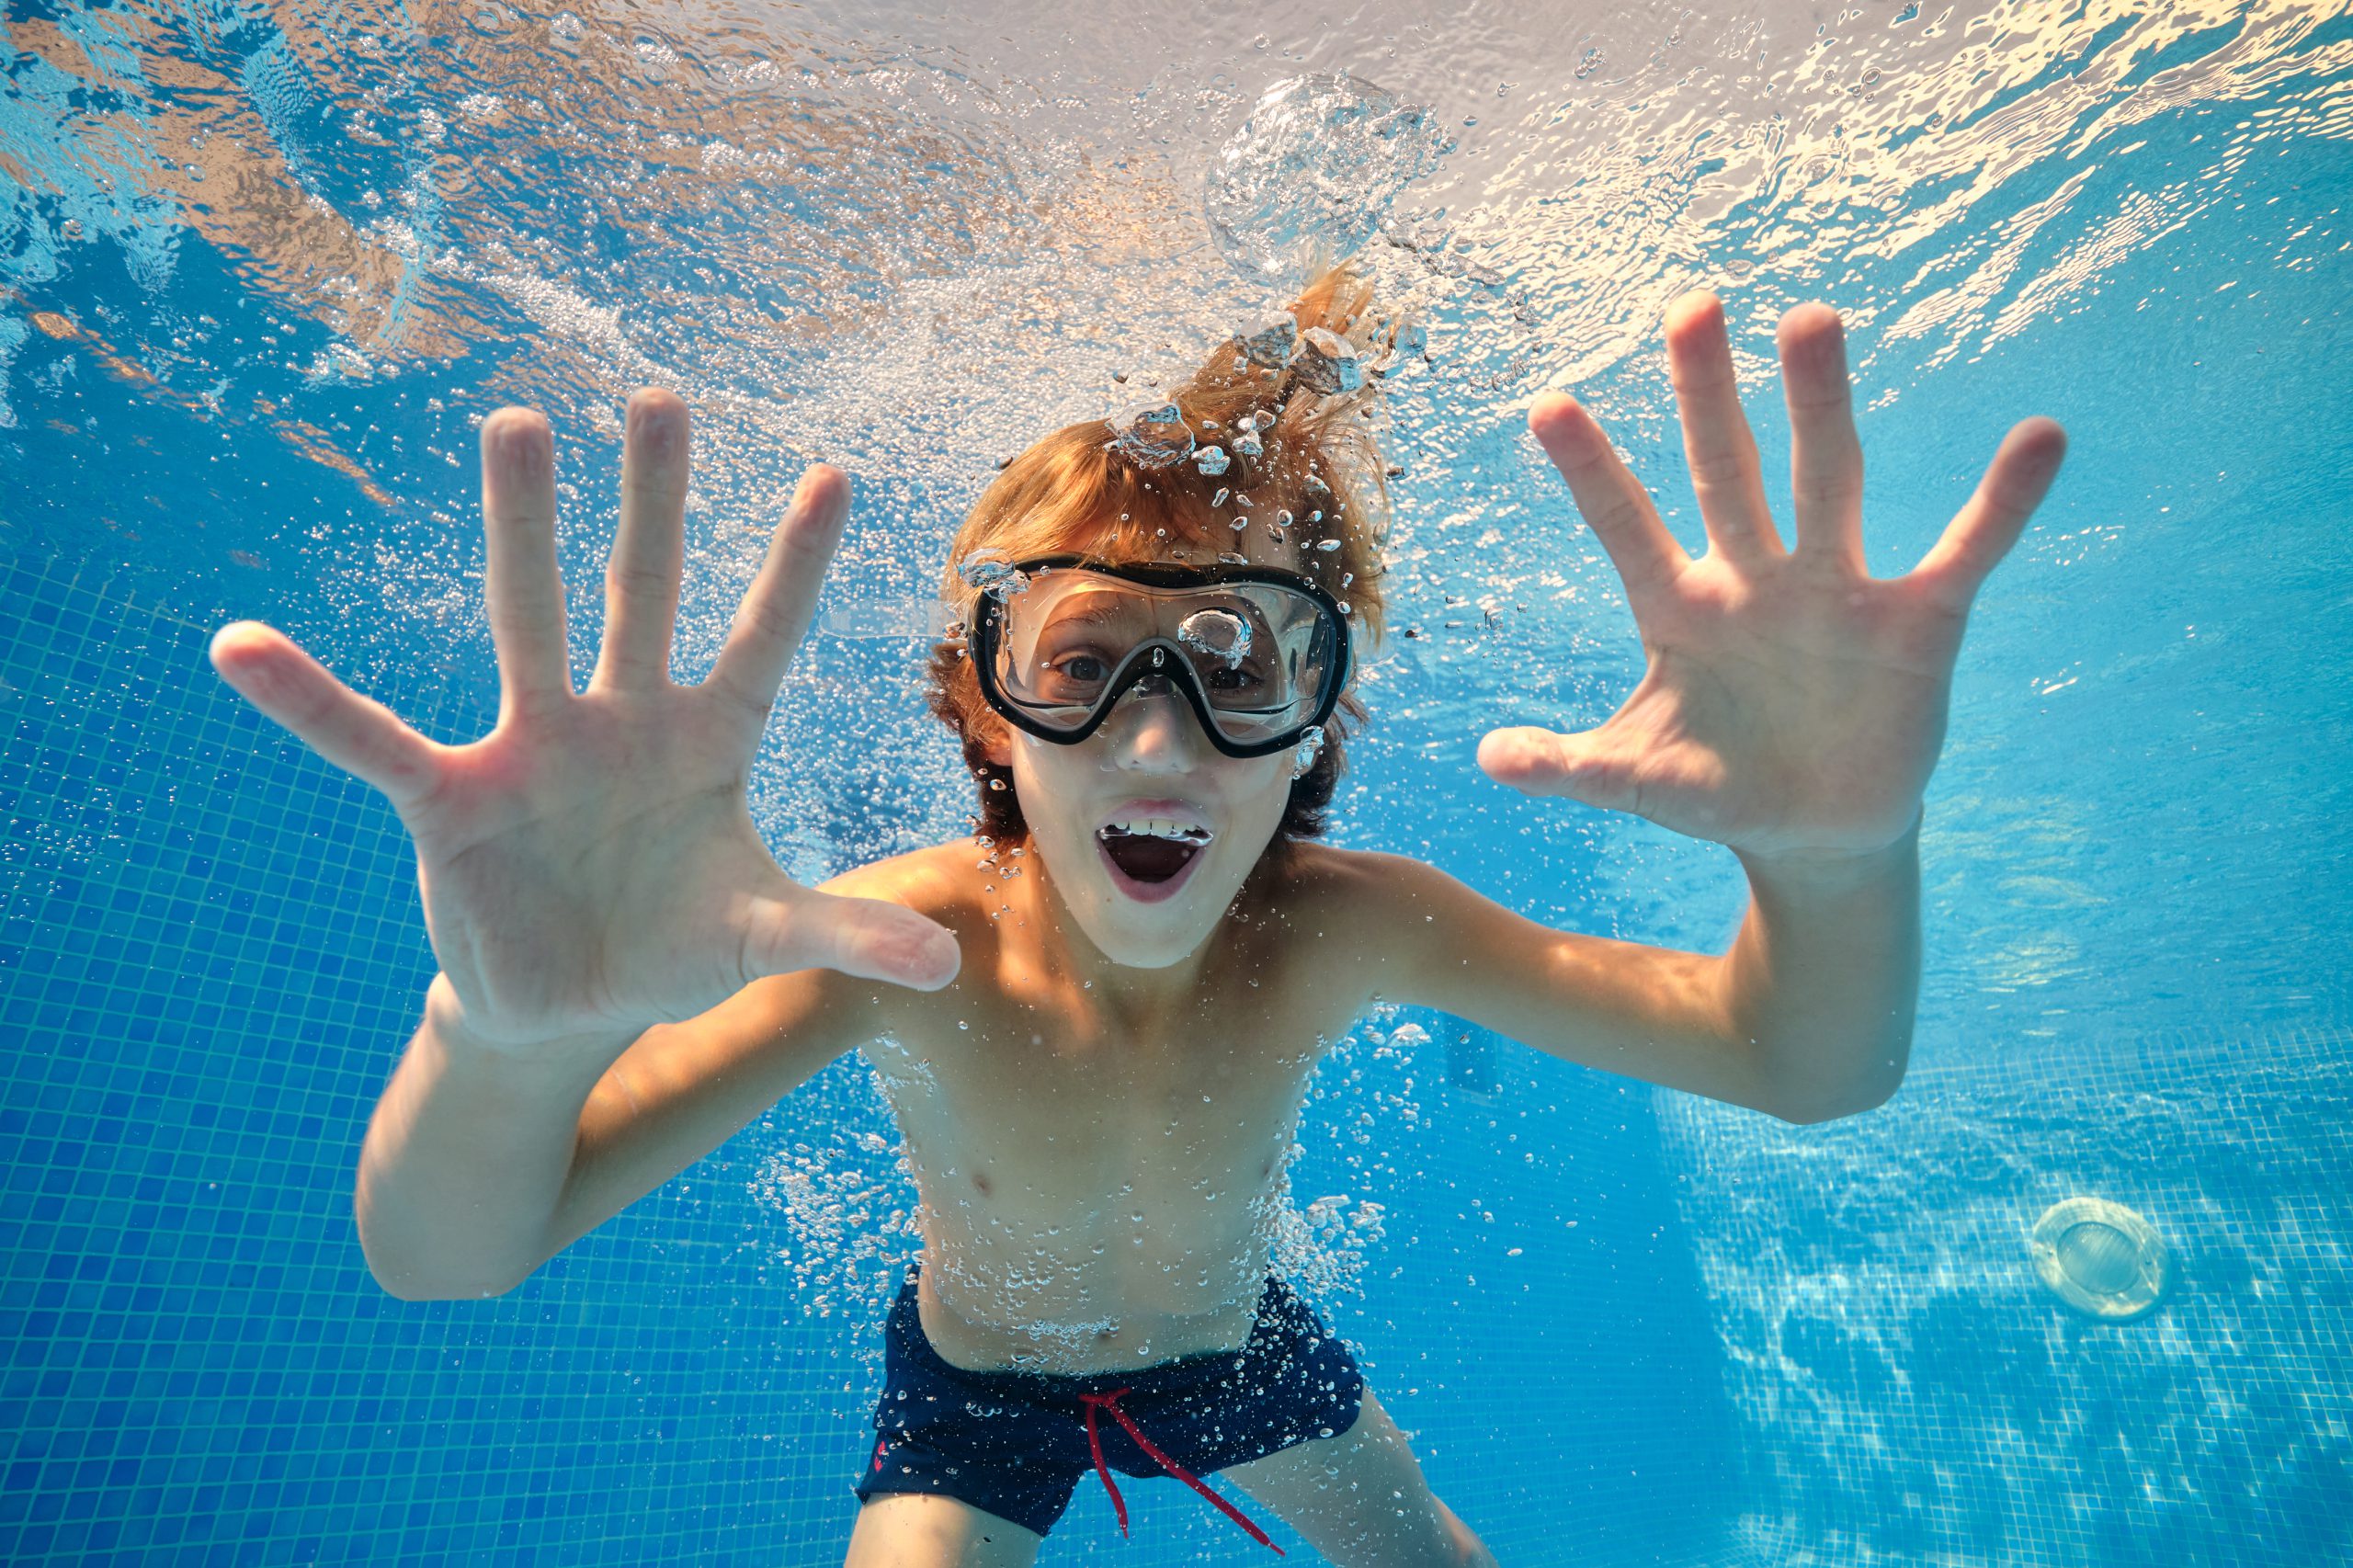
(1035, 1110)
(1105, 1183)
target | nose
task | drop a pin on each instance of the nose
(1150, 729)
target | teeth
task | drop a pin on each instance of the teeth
(1159, 827)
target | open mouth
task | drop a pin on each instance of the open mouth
(1151, 853)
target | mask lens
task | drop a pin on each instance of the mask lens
(1262, 654)
(1061, 641)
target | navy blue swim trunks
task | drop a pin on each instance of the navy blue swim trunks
(1015, 1444)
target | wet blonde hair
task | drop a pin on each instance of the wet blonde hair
(1074, 493)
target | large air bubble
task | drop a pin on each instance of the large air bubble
(1151, 436)
(1320, 157)
(1218, 633)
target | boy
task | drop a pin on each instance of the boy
(1097, 1018)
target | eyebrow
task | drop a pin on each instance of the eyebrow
(1102, 612)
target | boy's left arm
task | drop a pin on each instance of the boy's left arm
(1808, 1017)
(1792, 709)
(1822, 980)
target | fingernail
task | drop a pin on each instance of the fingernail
(657, 432)
(923, 952)
(518, 441)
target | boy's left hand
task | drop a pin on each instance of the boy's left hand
(1794, 706)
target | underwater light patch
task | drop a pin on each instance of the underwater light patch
(2101, 1258)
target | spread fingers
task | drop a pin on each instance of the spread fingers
(1825, 456)
(1717, 442)
(1608, 497)
(641, 578)
(1976, 540)
(777, 610)
(356, 734)
(524, 591)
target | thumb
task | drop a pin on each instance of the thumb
(1539, 762)
(869, 937)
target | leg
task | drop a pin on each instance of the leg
(1360, 1499)
(917, 1529)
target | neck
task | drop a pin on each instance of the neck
(1045, 937)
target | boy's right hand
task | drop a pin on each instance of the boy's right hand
(590, 867)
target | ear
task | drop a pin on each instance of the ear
(996, 741)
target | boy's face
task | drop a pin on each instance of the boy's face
(1148, 761)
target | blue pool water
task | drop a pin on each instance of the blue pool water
(263, 269)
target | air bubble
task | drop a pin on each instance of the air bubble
(1273, 341)
(1151, 436)
(1321, 158)
(1218, 633)
(1000, 579)
(1327, 363)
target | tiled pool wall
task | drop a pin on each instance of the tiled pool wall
(210, 957)
(1909, 1392)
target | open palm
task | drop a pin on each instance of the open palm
(591, 865)
(1793, 704)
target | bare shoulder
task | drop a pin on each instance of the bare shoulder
(936, 881)
(943, 882)
(1365, 883)
(1382, 906)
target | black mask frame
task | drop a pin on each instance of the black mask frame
(1175, 667)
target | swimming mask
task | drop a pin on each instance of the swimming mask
(1260, 653)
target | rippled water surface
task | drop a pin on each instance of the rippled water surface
(267, 270)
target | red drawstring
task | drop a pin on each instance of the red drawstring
(1110, 1402)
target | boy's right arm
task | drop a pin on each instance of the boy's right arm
(482, 1161)
(468, 1153)
(625, 969)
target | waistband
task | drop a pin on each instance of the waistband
(1174, 1375)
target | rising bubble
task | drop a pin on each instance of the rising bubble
(1320, 157)
(1152, 435)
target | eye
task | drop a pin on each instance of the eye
(1234, 680)
(1071, 677)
